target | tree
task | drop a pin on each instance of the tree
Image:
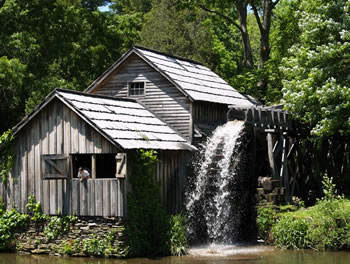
(316, 72)
(12, 76)
(193, 34)
(231, 11)
(62, 43)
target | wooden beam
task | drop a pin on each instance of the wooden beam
(93, 166)
(284, 169)
(270, 155)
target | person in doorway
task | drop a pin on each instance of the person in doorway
(83, 174)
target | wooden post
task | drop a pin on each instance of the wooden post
(284, 169)
(271, 157)
(93, 166)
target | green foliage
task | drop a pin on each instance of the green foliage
(177, 235)
(7, 158)
(265, 219)
(51, 44)
(329, 189)
(12, 90)
(10, 220)
(148, 225)
(99, 246)
(58, 225)
(94, 246)
(323, 226)
(316, 83)
(292, 233)
(66, 248)
(35, 210)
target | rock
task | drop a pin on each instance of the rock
(40, 251)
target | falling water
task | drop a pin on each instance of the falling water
(209, 203)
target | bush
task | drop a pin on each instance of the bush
(58, 225)
(265, 220)
(323, 226)
(10, 220)
(292, 233)
(148, 225)
(35, 210)
(177, 235)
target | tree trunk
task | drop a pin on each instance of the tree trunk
(241, 6)
(265, 32)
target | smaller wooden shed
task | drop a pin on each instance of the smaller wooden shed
(69, 130)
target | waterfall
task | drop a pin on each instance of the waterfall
(210, 200)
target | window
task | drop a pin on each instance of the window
(105, 164)
(54, 166)
(136, 88)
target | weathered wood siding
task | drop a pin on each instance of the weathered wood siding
(161, 96)
(55, 130)
(207, 116)
(209, 113)
(171, 173)
(98, 197)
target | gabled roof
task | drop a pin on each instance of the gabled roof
(196, 81)
(124, 122)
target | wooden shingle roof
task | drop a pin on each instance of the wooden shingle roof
(124, 122)
(194, 80)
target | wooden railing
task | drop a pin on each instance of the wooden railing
(98, 197)
(263, 118)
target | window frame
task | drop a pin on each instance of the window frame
(136, 95)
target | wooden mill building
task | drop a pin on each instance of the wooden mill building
(146, 100)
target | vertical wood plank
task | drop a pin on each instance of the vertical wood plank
(24, 173)
(75, 196)
(83, 198)
(74, 133)
(270, 155)
(99, 197)
(91, 197)
(37, 174)
(93, 166)
(106, 198)
(114, 197)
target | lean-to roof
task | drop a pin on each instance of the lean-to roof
(196, 81)
(125, 123)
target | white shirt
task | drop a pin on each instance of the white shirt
(83, 174)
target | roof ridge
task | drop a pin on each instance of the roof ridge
(168, 54)
(95, 95)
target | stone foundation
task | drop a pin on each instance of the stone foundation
(95, 230)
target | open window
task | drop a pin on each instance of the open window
(81, 160)
(100, 166)
(136, 89)
(105, 166)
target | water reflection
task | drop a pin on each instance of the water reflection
(268, 256)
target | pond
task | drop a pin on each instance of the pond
(228, 255)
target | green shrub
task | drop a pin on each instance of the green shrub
(10, 220)
(66, 248)
(292, 233)
(35, 211)
(148, 225)
(7, 157)
(323, 226)
(177, 235)
(94, 246)
(58, 225)
(331, 224)
(265, 219)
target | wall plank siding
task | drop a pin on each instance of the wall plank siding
(58, 130)
(161, 96)
(171, 173)
(55, 130)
